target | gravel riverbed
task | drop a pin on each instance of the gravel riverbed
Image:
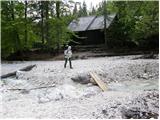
(47, 91)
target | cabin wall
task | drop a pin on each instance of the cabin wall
(94, 37)
(80, 40)
(90, 37)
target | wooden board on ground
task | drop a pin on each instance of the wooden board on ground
(100, 83)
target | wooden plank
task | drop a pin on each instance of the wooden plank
(100, 83)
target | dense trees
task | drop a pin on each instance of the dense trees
(136, 23)
(16, 30)
(29, 24)
(84, 9)
(139, 20)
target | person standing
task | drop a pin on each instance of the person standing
(68, 56)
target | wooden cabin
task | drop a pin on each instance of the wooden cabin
(90, 29)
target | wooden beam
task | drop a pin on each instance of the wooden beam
(100, 83)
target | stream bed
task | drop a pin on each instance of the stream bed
(48, 90)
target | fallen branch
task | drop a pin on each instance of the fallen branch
(33, 88)
(27, 68)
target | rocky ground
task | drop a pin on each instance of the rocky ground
(48, 90)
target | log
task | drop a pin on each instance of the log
(27, 68)
(100, 83)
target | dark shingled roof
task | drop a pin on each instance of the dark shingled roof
(90, 23)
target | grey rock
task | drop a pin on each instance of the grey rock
(82, 78)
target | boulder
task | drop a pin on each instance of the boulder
(82, 78)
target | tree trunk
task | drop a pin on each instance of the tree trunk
(47, 23)
(42, 21)
(105, 25)
(17, 40)
(12, 9)
(26, 36)
(58, 16)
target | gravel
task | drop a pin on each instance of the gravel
(132, 89)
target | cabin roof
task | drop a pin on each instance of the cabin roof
(90, 23)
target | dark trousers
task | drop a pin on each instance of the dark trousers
(66, 60)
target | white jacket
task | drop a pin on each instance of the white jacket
(68, 53)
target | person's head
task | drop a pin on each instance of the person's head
(69, 47)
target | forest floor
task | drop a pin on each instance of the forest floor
(47, 91)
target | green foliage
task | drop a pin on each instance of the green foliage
(136, 21)
(146, 23)
(75, 10)
(14, 25)
(139, 19)
(83, 10)
(13, 29)
(59, 32)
